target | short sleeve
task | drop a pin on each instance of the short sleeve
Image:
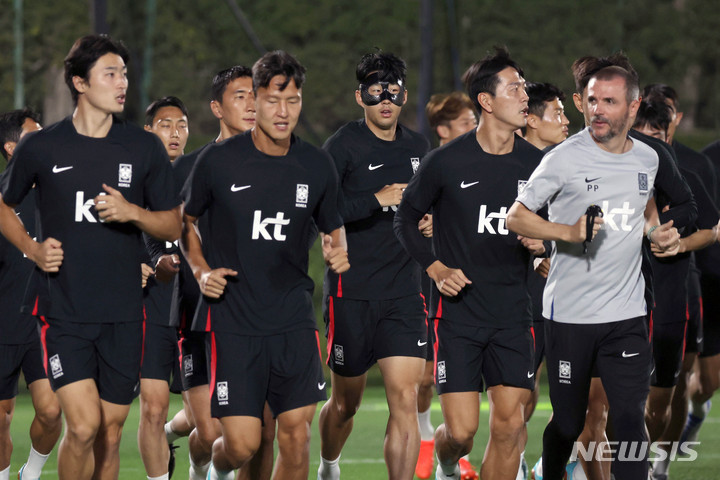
(547, 179)
(21, 174)
(159, 188)
(326, 214)
(197, 193)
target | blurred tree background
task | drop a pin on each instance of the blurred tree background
(177, 46)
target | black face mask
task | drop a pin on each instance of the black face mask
(371, 100)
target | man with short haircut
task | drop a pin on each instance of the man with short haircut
(375, 312)
(547, 124)
(265, 193)
(449, 115)
(100, 183)
(594, 299)
(20, 342)
(480, 304)
(168, 119)
(233, 104)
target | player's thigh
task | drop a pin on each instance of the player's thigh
(461, 414)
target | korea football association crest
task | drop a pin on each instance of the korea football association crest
(55, 366)
(441, 372)
(301, 195)
(223, 393)
(643, 183)
(415, 163)
(521, 186)
(124, 175)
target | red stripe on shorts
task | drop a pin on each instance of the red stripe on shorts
(532, 332)
(435, 348)
(651, 327)
(684, 341)
(425, 309)
(207, 322)
(179, 344)
(142, 351)
(43, 339)
(339, 286)
(213, 363)
(331, 327)
(35, 307)
(317, 338)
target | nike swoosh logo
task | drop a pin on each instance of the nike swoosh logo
(321, 385)
(374, 167)
(421, 344)
(466, 185)
(530, 375)
(592, 179)
(628, 355)
(237, 189)
(60, 169)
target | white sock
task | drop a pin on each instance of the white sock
(198, 472)
(661, 467)
(427, 432)
(161, 477)
(170, 434)
(5, 474)
(466, 457)
(329, 469)
(219, 474)
(35, 463)
(447, 471)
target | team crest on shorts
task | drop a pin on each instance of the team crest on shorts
(441, 372)
(124, 175)
(521, 186)
(55, 366)
(301, 195)
(187, 365)
(415, 163)
(223, 394)
(339, 355)
(643, 183)
(565, 372)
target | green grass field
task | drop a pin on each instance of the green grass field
(362, 457)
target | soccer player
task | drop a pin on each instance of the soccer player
(233, 104)
(168, 119)
(480, 304)
(594, 299)
(100, 183)
(20, 342)
(375, 312)
(547, 124)
(265, 192)
(449, 115)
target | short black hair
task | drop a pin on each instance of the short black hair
(661, 92)
(275, 63)
(656, 114)
(11, 124)
(223, 77)
(85, 53)
(388, 65)
(632, 91)
(539, 94)
(584, 68)
(482, 76)
(168, 101)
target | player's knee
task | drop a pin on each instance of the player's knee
(238, 452)
(345, 408)
(461, 435)
(294, 444)
(81, 434)
(154, 413)
(405, 400)
(507, 429)
(50, 415)
(206, 437)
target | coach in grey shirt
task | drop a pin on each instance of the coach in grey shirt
(594, 301)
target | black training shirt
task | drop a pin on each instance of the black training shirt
(381, 268)
(470, 192)
(99, 280)
(260, 211)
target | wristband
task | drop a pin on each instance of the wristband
(647, 235)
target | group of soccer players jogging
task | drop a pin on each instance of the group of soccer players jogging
(147, 271)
